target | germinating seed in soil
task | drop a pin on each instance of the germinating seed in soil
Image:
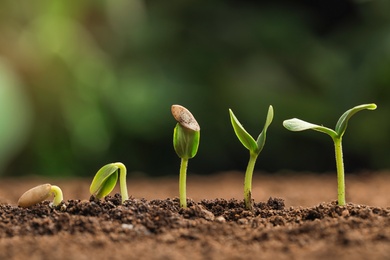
(157, 228)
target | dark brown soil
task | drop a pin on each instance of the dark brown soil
(209, 229)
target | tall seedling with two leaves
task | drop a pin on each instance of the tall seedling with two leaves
(295, 124)
(254, 147)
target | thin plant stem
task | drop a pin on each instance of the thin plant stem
(57, 192)
(182, 183)
(340, 171)
(248, 180)
(122, 181)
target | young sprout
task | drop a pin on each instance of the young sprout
(186, 136)
(39, 194)
(295, 124)
(105, 179)
(254, 148)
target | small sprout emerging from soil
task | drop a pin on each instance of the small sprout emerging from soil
(186, 136)
(39, 194)
(295, 124)
(254, 147)
(106, 178)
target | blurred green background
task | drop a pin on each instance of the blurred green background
(86, 83)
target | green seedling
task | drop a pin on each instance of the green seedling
(295, 124)
(254, 147)
(106, 178)
(39, 194)
(186, 136)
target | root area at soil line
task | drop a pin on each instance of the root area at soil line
(207, 229)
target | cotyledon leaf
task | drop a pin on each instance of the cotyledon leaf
(297, 125)
(342, 123)
(245, 138)
(262, 136)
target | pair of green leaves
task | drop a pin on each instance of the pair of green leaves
(296, 124)
(254, 146)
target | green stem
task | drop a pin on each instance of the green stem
(248, 180)
(122, 181)
(340, 171)
(58, 197)
(182, 183)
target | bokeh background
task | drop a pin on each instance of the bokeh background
(85, 83)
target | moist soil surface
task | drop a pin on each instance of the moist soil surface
(294, 216)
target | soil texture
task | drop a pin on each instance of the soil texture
(281, 226)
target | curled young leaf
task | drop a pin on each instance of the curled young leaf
(185, 141)
(104, 181)
(106, 178)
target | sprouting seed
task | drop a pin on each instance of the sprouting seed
(186, 136)
(106, 178)
(39, 194)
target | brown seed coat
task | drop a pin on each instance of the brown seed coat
(184, 117)
(34, 195)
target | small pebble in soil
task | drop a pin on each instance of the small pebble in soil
(220, 219)
(127, 226)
